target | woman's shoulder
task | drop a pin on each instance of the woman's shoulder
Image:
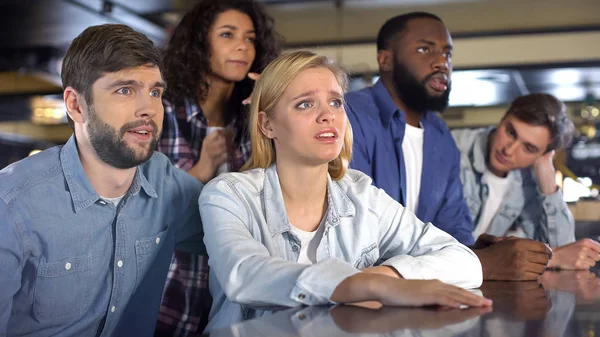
(251, 181)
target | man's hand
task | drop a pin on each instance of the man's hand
(514, 259)
(545, 173)
(582, 254)
(486, 240)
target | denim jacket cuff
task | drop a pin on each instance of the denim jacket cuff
(317, 283)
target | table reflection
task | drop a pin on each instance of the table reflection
(561, 303)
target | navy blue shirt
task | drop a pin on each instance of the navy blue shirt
(378, 127)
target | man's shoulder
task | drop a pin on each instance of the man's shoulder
(362, 104)
(29, 173)
(465, 138)
(249, 182)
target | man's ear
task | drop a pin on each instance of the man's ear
(75, 104)
(385, 59)
(265, 125)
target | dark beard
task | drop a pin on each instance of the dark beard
(414, 93)
(110, 146)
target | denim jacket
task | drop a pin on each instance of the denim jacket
(544, 218)
(253, 253)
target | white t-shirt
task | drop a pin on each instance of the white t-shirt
(224, 167)
(497, 190)
(114, 201)
(309, 242)
(412, 149)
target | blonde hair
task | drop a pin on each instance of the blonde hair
(268, 91)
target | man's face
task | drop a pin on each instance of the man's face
(125, 120)
(422, 65)
(517, 145)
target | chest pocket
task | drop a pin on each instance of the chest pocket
(63, 288)
(368, 257)
(145, 252)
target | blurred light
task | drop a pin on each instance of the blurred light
(474, 88)
(566, 76)
(34, 152)
(595, 112)
(48, 110)
(568, 93)
(585, 113)
(585, 181)
(573, 190)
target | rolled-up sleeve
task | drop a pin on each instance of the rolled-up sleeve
(243, 266)
(423, 251)
(11, 262)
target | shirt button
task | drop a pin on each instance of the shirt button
(335, 220)
(157, 240)
(102, 202)
(302, 317)
(67, 266)
(119, 263)
(113, 309)
(294, 248)
(301, 296)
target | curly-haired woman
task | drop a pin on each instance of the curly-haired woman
(211, 62)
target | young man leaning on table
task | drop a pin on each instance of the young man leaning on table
(509, 180)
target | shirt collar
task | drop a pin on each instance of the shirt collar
(82, 192)
(340, 204)
(387, 109)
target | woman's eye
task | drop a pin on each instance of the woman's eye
(336, 103)
(304, 105)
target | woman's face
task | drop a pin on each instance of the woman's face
(232, 49)
(309, 122)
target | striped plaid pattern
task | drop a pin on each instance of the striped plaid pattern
(186, 299)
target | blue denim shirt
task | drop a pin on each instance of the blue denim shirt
(254, 254)
(69, 261)
(544, 218)
(378, 127)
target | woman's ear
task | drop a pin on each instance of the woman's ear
(266, 125)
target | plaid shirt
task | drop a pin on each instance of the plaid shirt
(186, 299)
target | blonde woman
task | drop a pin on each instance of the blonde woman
(297, 227)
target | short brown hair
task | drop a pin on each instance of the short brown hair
(103, 49)
(546, 110)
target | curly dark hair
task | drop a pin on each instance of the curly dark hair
(186, 62)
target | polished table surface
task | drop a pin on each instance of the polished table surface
(560, 303)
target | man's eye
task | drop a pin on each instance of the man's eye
(156, 93)
(124, 91)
